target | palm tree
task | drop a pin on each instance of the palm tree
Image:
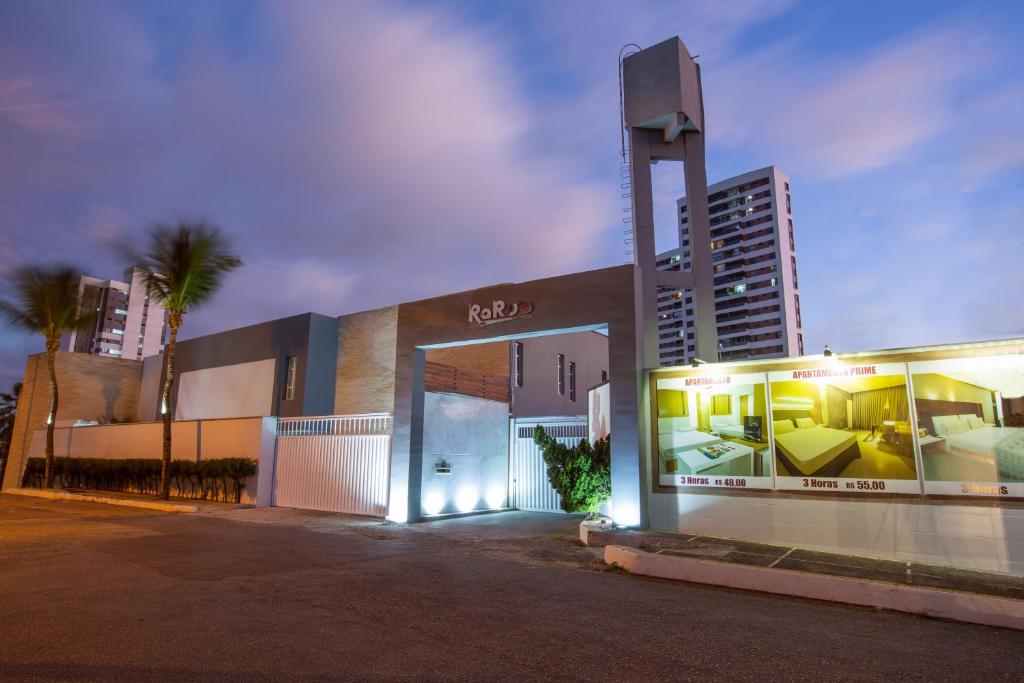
(184, 266)
(8, 408)
(48, 305)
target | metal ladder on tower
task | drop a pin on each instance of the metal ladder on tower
(625, 168)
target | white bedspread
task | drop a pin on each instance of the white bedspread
(732, 430)
(676, 441)
(982, 440)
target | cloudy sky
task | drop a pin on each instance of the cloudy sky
(365, 153)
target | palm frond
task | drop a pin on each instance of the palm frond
(47, 300)
(184, 264)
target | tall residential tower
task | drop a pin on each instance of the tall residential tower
(753, 259)
(129, 324)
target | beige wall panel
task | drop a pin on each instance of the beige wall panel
(230, 438)
(240, 390)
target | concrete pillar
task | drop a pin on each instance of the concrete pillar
(629, 502)
(407, 436)
(266, 462)
(696, 179)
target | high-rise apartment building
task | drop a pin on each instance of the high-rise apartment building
(753, 256)
(129, 324)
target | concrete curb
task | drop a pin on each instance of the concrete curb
(123, 502)
(931, 602)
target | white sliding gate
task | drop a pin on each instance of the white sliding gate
(528, 479)
(338, 463)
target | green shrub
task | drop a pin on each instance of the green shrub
(580, 474)
(221, 479)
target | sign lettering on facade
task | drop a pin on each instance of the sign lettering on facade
(498, 312)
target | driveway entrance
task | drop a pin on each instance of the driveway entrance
(529, 488)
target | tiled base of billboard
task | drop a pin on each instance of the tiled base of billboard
(868, 592)
(728, 551)
(984, 536)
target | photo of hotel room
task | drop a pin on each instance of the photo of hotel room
(856, 427)
(972, 422)
(712, 429)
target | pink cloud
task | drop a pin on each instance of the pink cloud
(836, 119)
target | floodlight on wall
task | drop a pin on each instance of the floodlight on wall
(697, 362)
(828, 351)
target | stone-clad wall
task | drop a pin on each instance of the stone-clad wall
(491, 358)
(91, 388)
(365, 376)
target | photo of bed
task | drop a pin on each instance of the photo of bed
(807, 448)
(848, 427)
(971, 419)
(712, 429)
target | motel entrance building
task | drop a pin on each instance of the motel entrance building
(425, 408)
(404, 413)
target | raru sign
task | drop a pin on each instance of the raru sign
(498, 312)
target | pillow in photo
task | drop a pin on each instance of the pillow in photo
(783, 426)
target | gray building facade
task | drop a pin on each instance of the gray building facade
(551, 374)
(289, 362)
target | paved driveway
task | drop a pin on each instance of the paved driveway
(91, 592)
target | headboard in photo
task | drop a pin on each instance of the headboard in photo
(785, 414)
(927, 409)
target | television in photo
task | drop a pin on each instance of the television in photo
(708, 431)
(970, 416)
(843, 428)
(753, 427)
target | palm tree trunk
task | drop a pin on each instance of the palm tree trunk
(52, 344)
(173, 323)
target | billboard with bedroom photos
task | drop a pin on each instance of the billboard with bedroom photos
(970, 417)
(843, 428)
(711, 431)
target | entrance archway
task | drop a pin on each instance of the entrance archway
(570, 303)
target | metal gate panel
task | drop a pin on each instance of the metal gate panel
(335, 464)
(529, 488)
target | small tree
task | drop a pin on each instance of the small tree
(48, 305)
(184, 266)
(580, 474)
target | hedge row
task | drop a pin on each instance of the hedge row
(221, 479)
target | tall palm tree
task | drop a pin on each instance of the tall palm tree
(48, 304)
(8, 408)
(184, 266)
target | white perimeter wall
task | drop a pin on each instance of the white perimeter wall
(241, 390)
(974, 537)
(194, 440)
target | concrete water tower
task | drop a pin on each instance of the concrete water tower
(663, 114)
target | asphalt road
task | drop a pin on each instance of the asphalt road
(92, 592)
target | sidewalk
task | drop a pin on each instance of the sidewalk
(133, 500)
(811, 561)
